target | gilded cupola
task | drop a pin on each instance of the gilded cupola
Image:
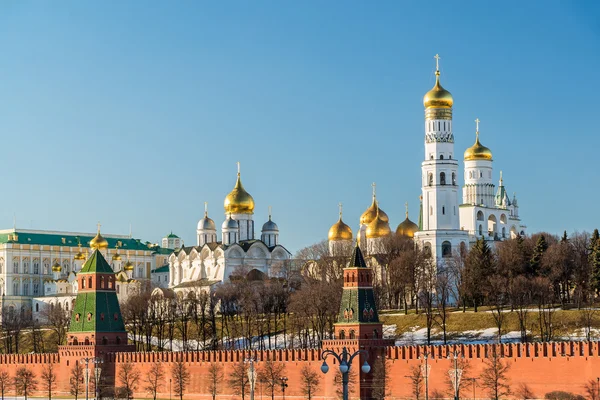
(478, 151)
(339, 230)
(98, 242)
(371, 212)
(438, 101)
(128, 266)
(407, 228)
(116, 256)
(56, 267)
(378, 227)
(239, 201)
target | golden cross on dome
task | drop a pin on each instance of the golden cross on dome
(340, 206)
(437, 62)
(205, 208)
(374, 185)
(477, 121)
(269, 213)
(98, 226)
(406, 205)
(238, 165)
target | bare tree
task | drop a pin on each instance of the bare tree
(215, 376)
(238, 380)
(588, 319)
(76, 380)
(524, 392)
(4, 382)
(310, 381)
(154, 379)
(497, 296)
(181, 378)
(381, 376)
(416, 381)
(442, 299)
(592, 388)
(270, 374)
(25, 382)
(48, 379)
(494, 376)
(129, 377)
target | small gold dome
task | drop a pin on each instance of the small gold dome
(239, 201)
(438, 97)
(378, 227)
(98, 242)
(478, 151)
(340, 231)
(116, 257)
(56, 267)
(79, 256)
(369, 215)
(407, 228)
(128, 266)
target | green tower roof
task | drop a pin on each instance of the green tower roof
(357, 260)
(96, 263)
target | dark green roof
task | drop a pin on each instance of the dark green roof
(59, 239)
(358, 305)
(172, 236)
(103, 307)
(357, 260)
(164, 268)
(96, 263)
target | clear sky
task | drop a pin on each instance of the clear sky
(137, 111)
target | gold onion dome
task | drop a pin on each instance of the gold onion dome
(79, 256)
(378, 227)
(128, 266)
(369, 215)
(116, 257)
(438, 97)
(98, 242)
(407, 228)
(478, 151)
(239, 201)
(340, 231)
(56, 267)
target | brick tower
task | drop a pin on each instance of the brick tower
(358, 326)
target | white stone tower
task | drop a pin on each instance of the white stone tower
(440, 234)
(479, 187)
(270, 232)
(230, 231)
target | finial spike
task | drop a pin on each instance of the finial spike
(374, 185)
(98, 226)
(238, 167)
(477, 121)
(437, 62)
(206, 208)
(406, 205)
(270, 209)
(500, 178)
(340, 209)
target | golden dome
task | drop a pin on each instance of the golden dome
(407, 228)
(79, 256)
(56, 267)
(378, 227)
(369, 215)
(98, 242)
(116, 257)
(128, 266)
(438, 97)
(239, 201)
(478, 151)
(340, 231)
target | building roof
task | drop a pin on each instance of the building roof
(72, 239)
(160, 270)
(96, 264)
(172, 236)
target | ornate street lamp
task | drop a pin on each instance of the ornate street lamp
(345, 361)
(97, 370)
(455, 377)
(87, 361)
(284, 384)
(251, 375)
(426, 357)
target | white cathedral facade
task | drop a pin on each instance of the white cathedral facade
(237, 253)
(447, 223)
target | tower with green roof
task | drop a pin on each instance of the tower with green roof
(96, 319)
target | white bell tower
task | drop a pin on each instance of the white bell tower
(440, 233)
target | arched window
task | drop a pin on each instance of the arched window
(375, 334)
(480, 215)
(463, 249)
(442, 178)
(90, 282)
(104, 340)
(446, 249)
(352, 334)
(430, 210)
(37, 307)
(443, 210)
(453, 179)
(427, 250)
(480, 230)
(441, 156)
(342, 335)
(503, 232)
(430, 179)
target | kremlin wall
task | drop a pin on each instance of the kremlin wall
(97, 330)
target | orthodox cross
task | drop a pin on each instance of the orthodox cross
(437, 62)
(406, 205)
(98, 226)
(238, 165)
(374, 188)
(477, 125)
(269, 213)
(340, 206)
(205, 208)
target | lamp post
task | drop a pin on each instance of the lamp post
(97, 371)
(284, 384)
(345, 361)
(426, 357)
(251, 375)
(87, 360)
(457, 372)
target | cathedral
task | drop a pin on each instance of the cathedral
(238, 251)
(446, 224)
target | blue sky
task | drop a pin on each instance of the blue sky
(136, 112)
